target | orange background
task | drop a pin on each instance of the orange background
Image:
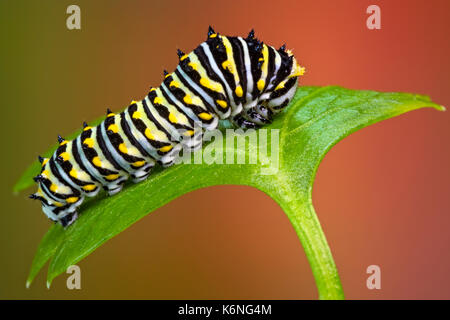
(381, 194)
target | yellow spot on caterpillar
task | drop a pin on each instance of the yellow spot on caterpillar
(57, 204)
(89, 142)
(222, 103)
(138, 163)
(158, 100)
(123, 148)
(111, 114)
(72, 199)
(184, 57)
(167, 75)
(280, 86)
(239, 91)
(175, 84)
(193, 65)
(227, 65)
(205, 116)
(133, 102)
(45, 161)
(265, 60)
(73, 173)
(165, 148)
(152, 89)
(87, 128)
(53, 187)
(45, 173)
(261, 84)
(89, 187)
(65, 156)
(148, 134)
(188, 133)
(205, 82)
(113, 127)
(261, 59)
(172, 118)
(112, 177)
(136, 115)
(208, 84)
(63, 143)
(213, 35)
(187, 99)
(96, 161)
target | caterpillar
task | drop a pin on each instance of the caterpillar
(238, 79)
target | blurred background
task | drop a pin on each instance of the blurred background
(382, 194)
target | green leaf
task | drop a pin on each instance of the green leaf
(316, 119)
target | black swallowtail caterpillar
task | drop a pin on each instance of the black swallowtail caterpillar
(239, 79)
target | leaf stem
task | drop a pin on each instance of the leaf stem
(307, 226)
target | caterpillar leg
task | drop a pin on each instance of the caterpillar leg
(253, 118)
(141, 174)
(68, 219)
(244, 123)
(265, 112)
(259, 115)
(194, 143)
(114, 187)
(169, 159)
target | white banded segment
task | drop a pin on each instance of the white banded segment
(239, 79)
